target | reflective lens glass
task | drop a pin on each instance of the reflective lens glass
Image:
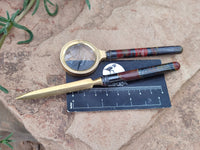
(80, 57)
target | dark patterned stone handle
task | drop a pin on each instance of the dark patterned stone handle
(140, 73)
(142, 52)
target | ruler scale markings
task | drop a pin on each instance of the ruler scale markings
(150, 91)
(133, 89)
(160, 102)
(162, 91)
(118, 106)
(71, 105)
(106, 93)
(102, 103)
(131, 101)
(140, 92)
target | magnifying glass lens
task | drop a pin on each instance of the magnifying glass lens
(80, 57)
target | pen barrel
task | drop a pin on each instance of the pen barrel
(143, 52)
(140, 73)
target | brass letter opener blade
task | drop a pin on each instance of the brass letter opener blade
(61, 89)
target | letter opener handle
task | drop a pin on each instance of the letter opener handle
(102, 81)
(140, 73)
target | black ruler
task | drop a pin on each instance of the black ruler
(141, 94)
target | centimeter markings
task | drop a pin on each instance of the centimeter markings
(140, 89)
(117, 106)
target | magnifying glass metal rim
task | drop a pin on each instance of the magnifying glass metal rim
(100, 54)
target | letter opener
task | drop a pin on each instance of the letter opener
(102, 81)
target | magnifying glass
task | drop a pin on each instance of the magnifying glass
(82, 57)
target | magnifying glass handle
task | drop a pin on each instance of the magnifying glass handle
(140, 73)
(142, 52)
